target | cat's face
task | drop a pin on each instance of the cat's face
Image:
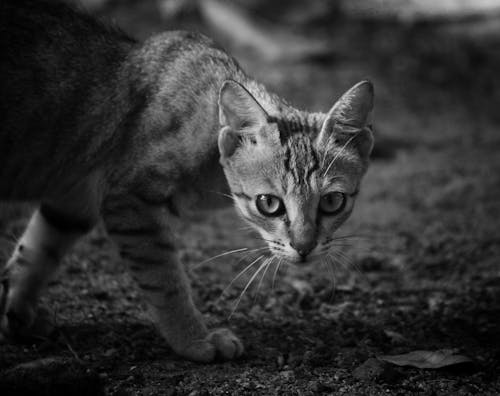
(295, 179)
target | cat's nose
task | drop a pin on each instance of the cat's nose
(303, 248)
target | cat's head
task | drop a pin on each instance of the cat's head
(294, 176)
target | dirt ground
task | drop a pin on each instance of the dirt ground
(420, 271)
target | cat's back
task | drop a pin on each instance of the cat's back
(179, 60)
(49, 52)
(76, 92)
(54, 62)
(180, 73)
(51, 37)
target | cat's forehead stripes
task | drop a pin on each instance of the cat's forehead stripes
(300, 160)
(294, 123)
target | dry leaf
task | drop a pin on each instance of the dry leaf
(427, 359)
(395, 336)
(333, 312)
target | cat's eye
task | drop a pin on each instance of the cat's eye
(332, 203)
(269, 205)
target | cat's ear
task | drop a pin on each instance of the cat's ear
(354, 106)
(349, 117)
(239, 112)
(238, 109)
(228, 142)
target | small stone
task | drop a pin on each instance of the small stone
(287, 374)
(375, 370)
(110, 352)
(314, 386)
(317, 387)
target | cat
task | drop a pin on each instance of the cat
(95, 125)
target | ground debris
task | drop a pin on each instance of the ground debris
(50, 376)
(427, 359)
(376, 370)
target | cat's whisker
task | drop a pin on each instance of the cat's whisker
(349, 261)
(344, 248)
(286, 266)
(327, 245)
(275, 274)
(341, 243)
(346, 262)
(349, 237)
(334, 261)
(246, 288)
(226, 254)
(11, 238)
(362, 237)
(270, 241)
(250, 252)
(329, 269)
(240, 274)
(222, 194)
(358, 270)
(329, 146)
(268, 263)
(246, 228)
(341, 259)
(340, 152)
(345, 241)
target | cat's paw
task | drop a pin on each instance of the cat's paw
(19, 319)
(218, 344)
(26, 323)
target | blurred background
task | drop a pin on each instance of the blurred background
(419, 268)
(436, 60)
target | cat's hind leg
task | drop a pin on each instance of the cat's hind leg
(146, 243)
(49, 234)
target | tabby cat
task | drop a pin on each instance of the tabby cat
(97, 126)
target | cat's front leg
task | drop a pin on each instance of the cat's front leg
(146, 243)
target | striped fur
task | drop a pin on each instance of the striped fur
(95, 125)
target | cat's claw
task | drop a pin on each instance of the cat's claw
(218, 344)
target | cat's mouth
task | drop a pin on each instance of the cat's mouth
(308, 260)
(296, 258)
(285, 251)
